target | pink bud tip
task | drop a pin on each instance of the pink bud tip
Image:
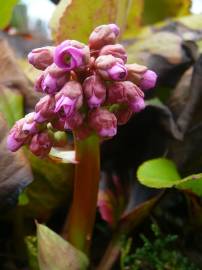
(12, 144)
(138, 104)
(115, 28)
(118, 72)
(149, 80)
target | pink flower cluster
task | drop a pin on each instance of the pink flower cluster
(88, 89)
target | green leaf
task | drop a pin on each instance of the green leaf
(129, 14)
(158, 173)
(158, 10)
(11, 104)
(57, 14)
(56, 253)
(52, 186)
(192, 183)
(23, 199)
(79, 19)
(162, 173)
(31, 243)
(6, 10)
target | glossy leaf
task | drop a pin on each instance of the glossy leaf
(158, 173)
(79, 19)
(56, 253)
(6, 12)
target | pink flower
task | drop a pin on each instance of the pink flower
(51, 80)
(69, 99)
(116, 50)
(71, 54)
(41, 58)
(126, 93)
(45, 109)
(21, 132)
(123, 115)
(140, 75)
(94, 91)
(110, 67)
(103, 122)
(41, 144)
(103, 35)
(148, 80)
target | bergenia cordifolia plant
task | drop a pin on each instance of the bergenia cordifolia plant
(89, 90)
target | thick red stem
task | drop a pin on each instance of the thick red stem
(79, 227)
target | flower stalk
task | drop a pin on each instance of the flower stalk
(79, 226)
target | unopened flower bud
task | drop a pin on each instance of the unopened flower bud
(126, 93)
(41, 144)
(140, 75)
(149, 80)
(137, 104)
(41, 58)
(71, 54)
(116, 50)
(30, 125)
(51, 80)
(44, 109)
(103, 122)
(111, 68)
(74, 121)
(103, 35)
(94, 91)
(123, 115)
(17, 136)
(69, 99)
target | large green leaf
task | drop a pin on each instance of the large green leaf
(6, 9)
(157, 10)
(158, 173)
(80, 18)
(56, 253)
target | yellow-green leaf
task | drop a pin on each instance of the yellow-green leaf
(54, 253)
(6, 9)
(80, 18)
(158, 173)
(158, 10)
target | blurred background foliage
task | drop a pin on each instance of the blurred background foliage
(161, 34)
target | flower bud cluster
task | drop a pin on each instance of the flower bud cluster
(88, 89)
